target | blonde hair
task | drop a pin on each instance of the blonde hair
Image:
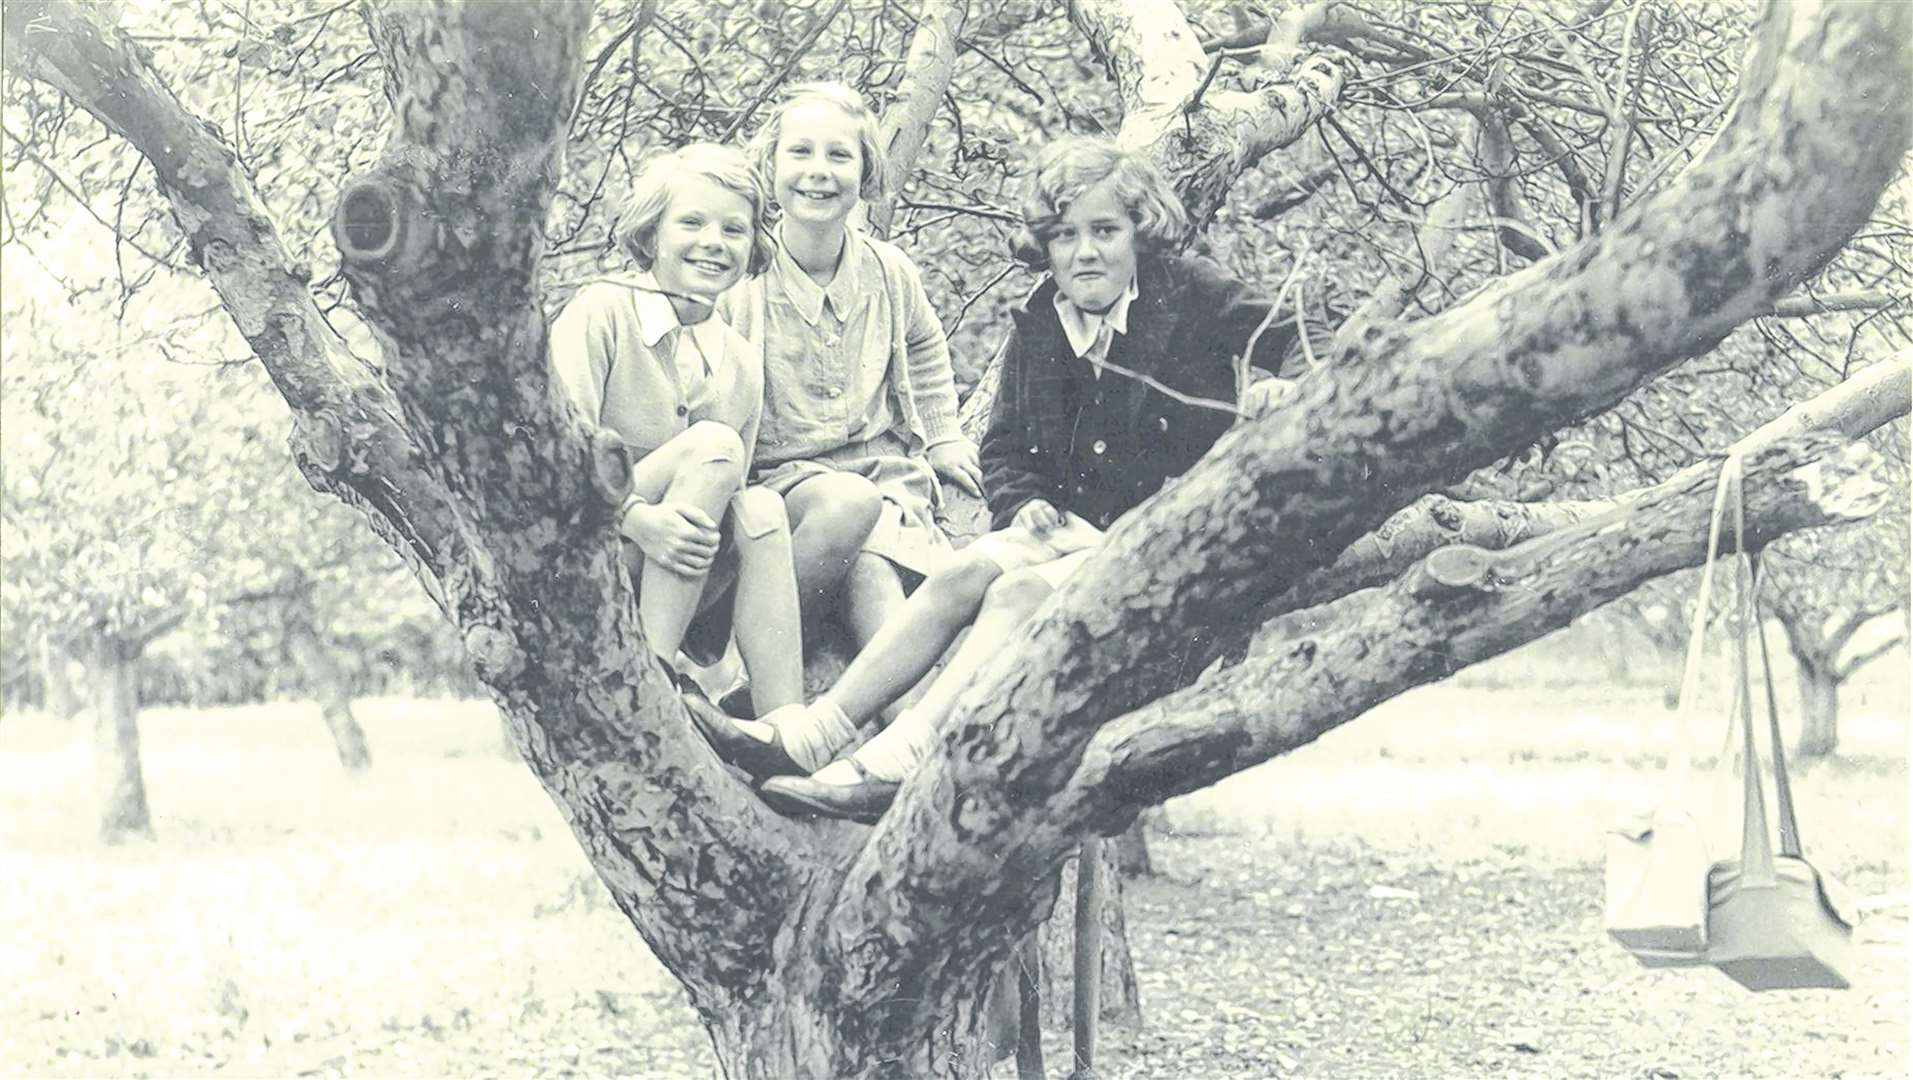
(763, 145)
(1066, 168)
(662, 175)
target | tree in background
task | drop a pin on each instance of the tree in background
(1640, 212)
(145, 495)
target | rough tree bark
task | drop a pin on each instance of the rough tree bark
(112, 671)
(832, 949)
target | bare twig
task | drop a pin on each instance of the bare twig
(772, 84)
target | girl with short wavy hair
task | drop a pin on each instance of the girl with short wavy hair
(638, 353)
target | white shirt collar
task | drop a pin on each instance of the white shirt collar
(1081, 327)
(658, 317)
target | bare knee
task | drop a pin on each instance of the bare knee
(714, 455)
(759, 521)
(838, 509)
(959, 587)
(1020, 592)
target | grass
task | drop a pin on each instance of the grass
(433, 917)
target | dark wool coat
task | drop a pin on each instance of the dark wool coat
(1186, 326)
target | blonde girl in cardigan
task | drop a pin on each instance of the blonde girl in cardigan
(860, 410)
(640, 353)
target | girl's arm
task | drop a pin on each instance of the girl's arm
(581, 345)
(1013, 472)
(927, 362)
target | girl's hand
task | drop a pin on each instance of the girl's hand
(675, 535)
(955, 461)
(1037, 516)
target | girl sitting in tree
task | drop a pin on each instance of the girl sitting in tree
(1081, 433)
(641, 354)
(860, 409)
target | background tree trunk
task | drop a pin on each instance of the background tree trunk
(1121, 1002)
(330, 687)
(113, 672)
(1819, 707)
(1132, 846)
(58, 697)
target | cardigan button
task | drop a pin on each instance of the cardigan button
(1098, 447)
(682, 410)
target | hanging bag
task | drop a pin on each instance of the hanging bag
(1773, 921)
(1658, 865)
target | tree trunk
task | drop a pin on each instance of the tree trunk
(1819, 709)
(330, 687)
(113, 671)
(58, 697)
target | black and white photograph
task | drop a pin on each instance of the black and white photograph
(955, 539)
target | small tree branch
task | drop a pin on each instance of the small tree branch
(1809, 304)
(1847, 670)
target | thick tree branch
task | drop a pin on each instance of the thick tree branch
(1847, 670)
(1151, 52)
(926, 79)
(441, 241)
(1868, 400)
(1315, 669)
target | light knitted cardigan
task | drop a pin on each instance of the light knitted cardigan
(919, 352)
(602, 351)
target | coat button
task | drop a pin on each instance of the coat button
(682, 410)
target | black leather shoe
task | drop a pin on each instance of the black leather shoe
(865, 800)
(736, 741)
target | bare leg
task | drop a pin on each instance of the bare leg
(1007, 605)
(766, 622)
(704, 466)
(872, 594)
(907, 646)
(831, 514)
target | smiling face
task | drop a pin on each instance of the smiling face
(703, 244)
(818, 164)
(1092, 250)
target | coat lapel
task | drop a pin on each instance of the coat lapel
(1152, 322)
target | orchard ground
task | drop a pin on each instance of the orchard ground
(1417, 895)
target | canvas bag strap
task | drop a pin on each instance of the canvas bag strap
(1756, 848)
(1680, 761)
(1783, 789)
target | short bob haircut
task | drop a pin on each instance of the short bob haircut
(659, 178)
(763, 146)
(1066, 168)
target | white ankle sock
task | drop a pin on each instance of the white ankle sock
(897, 750)
(813, 736)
